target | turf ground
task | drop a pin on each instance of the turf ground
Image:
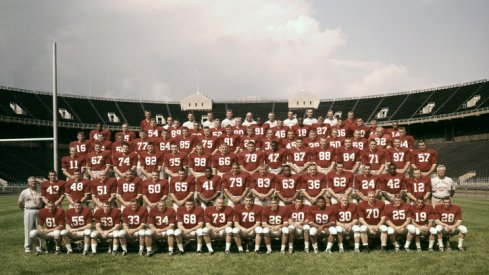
(475, 260)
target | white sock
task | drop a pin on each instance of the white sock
(57, 248)
(269, 247)
(357, 245)
(180, 247)
(283, 247)
(170, 249)
(141, 248)
(115, 247)
(407, 244)
(460, 242)
(149, 248)
(306, 245)
(240, 248)
(340, 245)
(291, 246)
(228, 246)
(86, 247)
(68, 247)
(418, 245)
(315, 246)
(396, 245)
(440, 243)
(94, 248)
(328, 247)
(124, 247)
(431, 243)
(199, 247)
(209, 247)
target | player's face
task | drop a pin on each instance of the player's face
(235, 169)
(151, 148)
(372, 145)
(290, 135)
(298, 203)
(397, 201)
(290, 115)
(52, 176)
(185, 132)
(249, 131)
(447, 203)
(344, 201)
(189, 206)
(367, 170)
(161, 206)
(271, 117)
(270, 134)
(309, 113)
(77, 175)
(313, 170)
(174, 149)
(217, 124)
(248, 202)
(274, 204)
(103, 176)
(207, 132)
(219, 204)
(300, 121)
(274, 146)
(147, 115)
(155, 176)
(229, 130)
(334, 133)
(80, 137)
(286, 171)
(312, 134)
(357, 134)
(142, 134)
(249, 117)
(181, 174)
(329, 114)
(397, 143)
(262, 170)
(124, 127)
(72, 151)
(323, 142)
(417, 174)
(420, 203)
(299, 143)
(402, 132)
(321, 203)
(229, 114)
(371, 197)
(125, 149)
(339, 168)
(392, 169)
(129, 175)
(50, 207)
(422, 146)
(134, 205)
(348, 143)
(169, 121)
(199, 150)
(208, 173)
(259, 121)
(359, 122)
(441, 172)
(251, 147)
(77, 207)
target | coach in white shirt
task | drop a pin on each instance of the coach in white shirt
(30, 201)
(191, 120)
(441, 186)
(309, 120)
(229, 120)
(290, 120)
(249, 119)
(330, 119)
(271, 120)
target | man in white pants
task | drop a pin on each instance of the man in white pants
(30, 201)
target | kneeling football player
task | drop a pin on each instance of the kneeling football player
(422, 224)
(162, 221)
(134, 219)
(190, 220)
(448, 219)
(298, 223)
(50, 222)
(247, 222)
(218, 224)
(275, 224)
(347, 223)
(397, 219)
(322, 222)
(107, 226)
(372, 218)
(78, 226)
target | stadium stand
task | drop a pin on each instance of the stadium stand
(411, 105)
(155, 108)
(392, 103)
(106, 107)
(464, 93)
(468, 154)
(132, 111)
(365, 107)
(84, 108)
(344, 106)
(33, 105)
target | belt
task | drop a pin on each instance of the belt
(32, 208)
(439, 198)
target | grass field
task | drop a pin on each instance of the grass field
(474, 261)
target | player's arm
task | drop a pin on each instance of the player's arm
(147, 201)
(306, 195)
(67, 175)
(432, 168)
(381, 222)
(362, 196)
(405, 168)
(333, 193)
(175, 199)
(199, 225)
(355, 167)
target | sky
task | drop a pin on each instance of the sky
(239, 50)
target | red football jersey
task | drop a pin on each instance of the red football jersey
(107, 220)
(98, 162)
(161, 145)
(208, 187)
(263, 184)
(322, 129)
(232, 141)
(261, 130)
(236, 184)
(339, 183)
(384, 141)
(312, 143)
(106, 146)
(77, 189)
(375, 158)
(52, 191)
(448, 216)
(51, 220)
(398, 157)
(72, 164)
(218, 218)
(288, 143)
(116, 146)
(181, 188)
(364, 131)
(424, 159)
(81, 147)
(94, 134)
(393, 184)
(129, 189)
(127, 136)
(360, 143)
(422, 215)
(162, 219)
(277, 217)
(210, 143)
(300, 156)
(298, 214)
(154, 191)
(251, 160)
(280, 133)
(407, 142)
(336, 142)
(217, 132)
(247, 217)
(275, 159)
(186, 144)
(175, 161)
(288, 186)
(151, 162)
(134, 218)
(314, 184)
(348, 156)
(124, 162)
(397, 215)
(322, 216)
(77, 220)
(153, 132)
(190, 219)
(103, 190)
(323, 157)
(174, 132)
(223, 162)
(346, 214)
(302, 132)
(199, 162)
(365, 184)
(371, 213)
(418, 187)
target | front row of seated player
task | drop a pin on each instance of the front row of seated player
(315, 223)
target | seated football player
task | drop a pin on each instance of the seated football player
(422, 223)
(78, 226)
(134, 220)
(347, 223)
(107, 225)
(288, 186)
(298, 223)
(247, 222)
(322, 223)
(364, 183)
(448, 219)
(392, 183)
(314, 185)
(275, 224)
(372, 218)
(218, 224)
(161, 224)
(398, 217)
(236, 185)
(50, 222)
(190, 221)
(262, 185)
(340, 182)
(208, 187)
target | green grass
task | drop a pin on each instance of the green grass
(474, 261)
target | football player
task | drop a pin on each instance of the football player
(397, 217)
(103, 189)
(247, 222)
(339, 182)
(161, 224)
(421, 224)
(77, 189)
(190, 222)
(372, 218)
(364, 183)
(182, 188)
(313, 185)
(288, 186)
(322, 222)
(347, 223)
(134, 220)
(53, 189)
(448, 219)
(262, 185)
(275, 224)
(423, 158)
(154, 190)
(107, 225)
(50, 222)
(218, 224)
(236, 185)
(128, 188)
(298, 223)
(78, 226)
(208, 188)
(418, 186)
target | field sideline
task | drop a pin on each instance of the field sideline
(473, 261)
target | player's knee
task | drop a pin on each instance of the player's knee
(332, 230)
(363, 229)
(356, 235)
(259, 230)
(33, 233)
(306, 227)
(94, 234)
(313, 231)
(355, 228)
(178, 232)
(236, 231)
(141, 233)
(390, 231)
(433, 231)
(122, 233)
(63, 232)
(199, 232)
(87, 232)
(462, 229)
(148, 232)
(383, 229)
(228, 230)
(285, 230)
(411, 228)
(56, 234)
(170, 232)
(339, 229)
(291, 228)
(266, 231)
(439, 228)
